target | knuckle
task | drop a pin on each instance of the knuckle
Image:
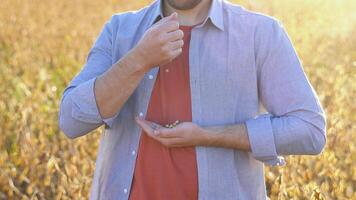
(151, 30)
(165, 143)
(180, 33)
(169, 26)
(161, 39)
(165, 49)
(174, 25)
(166, 56)
(170, 54)
(181, 43)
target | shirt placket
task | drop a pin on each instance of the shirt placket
(146, 88)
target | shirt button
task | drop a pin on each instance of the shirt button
(125, 190)
(141, 114)
(150, 76)
(133, 152)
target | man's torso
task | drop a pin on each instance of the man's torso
(223, 80)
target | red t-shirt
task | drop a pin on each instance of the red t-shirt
(163, 173)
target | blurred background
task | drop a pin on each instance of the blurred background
(44, 43)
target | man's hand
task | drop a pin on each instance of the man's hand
(161, 43)
(189, 134)
(185, 134)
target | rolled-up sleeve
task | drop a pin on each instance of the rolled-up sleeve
(84, 104)
(79, 113)
(296, 122)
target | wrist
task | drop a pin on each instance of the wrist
(207, 137)
(139, 58)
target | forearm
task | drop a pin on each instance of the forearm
(99, 91)
(113, 88)
(228, 136)
(87, 105)
(159, 45)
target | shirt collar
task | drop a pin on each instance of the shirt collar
(215, 13)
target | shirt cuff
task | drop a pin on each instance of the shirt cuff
(85, 107)
(110, 121)
(261, 139)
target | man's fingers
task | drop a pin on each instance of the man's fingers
(169, 26)
(176, 53)
(175, 35)
(151, 128)
(158, 132)
(177, 44)
(174, 16)
(168, 133)
(145, 125)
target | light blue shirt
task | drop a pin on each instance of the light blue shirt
(243, 69)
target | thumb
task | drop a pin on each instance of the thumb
(173, 16)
